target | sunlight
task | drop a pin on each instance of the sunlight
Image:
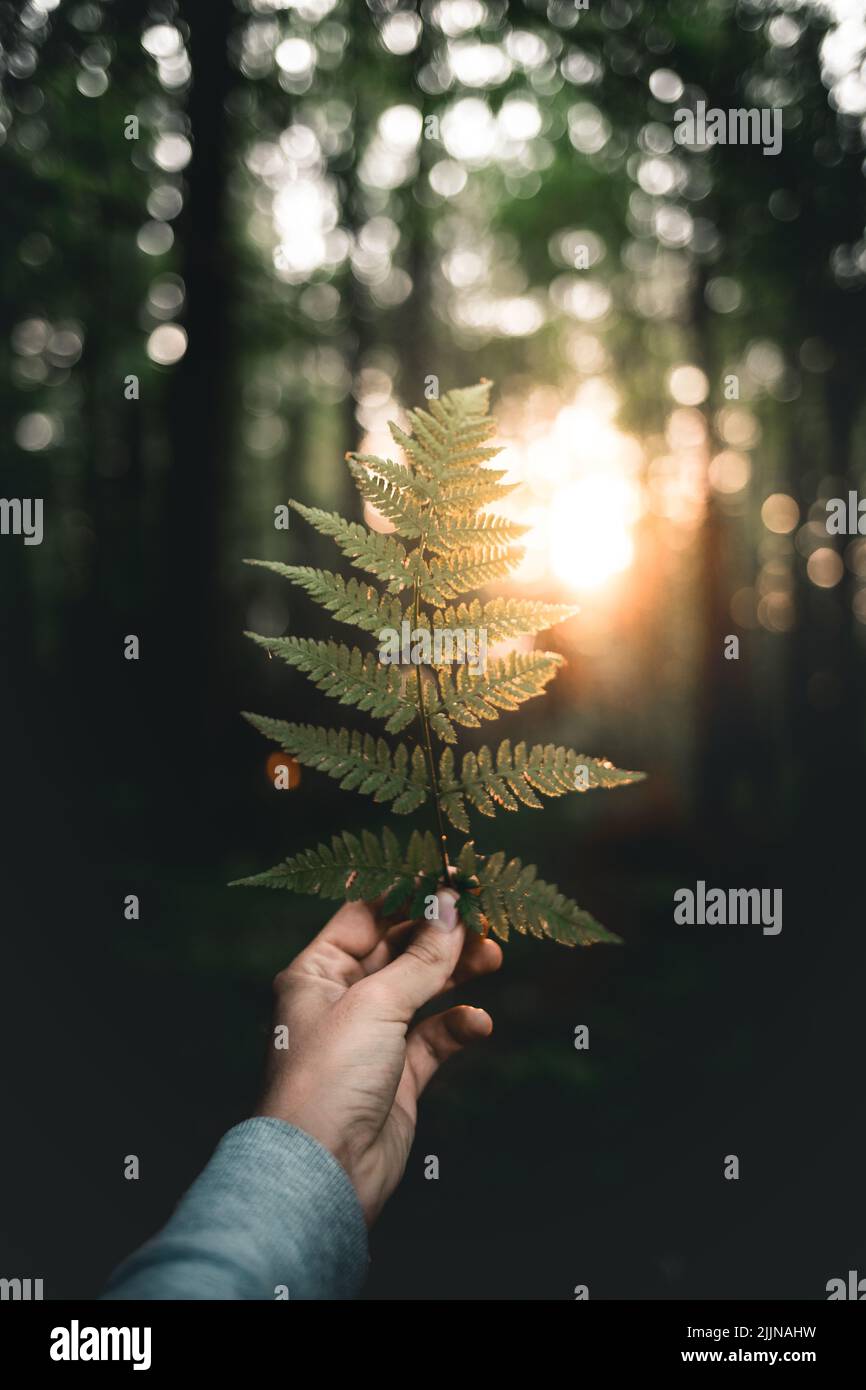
(579, 489)
(589, 531)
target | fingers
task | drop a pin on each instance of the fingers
(480, 955)
(353, 932)
(359, 941)
(424, 968)
(436, 1039)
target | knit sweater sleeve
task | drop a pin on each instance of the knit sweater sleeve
(272, 1215)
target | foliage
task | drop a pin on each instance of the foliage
(436, 501)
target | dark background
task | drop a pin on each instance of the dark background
(557, 1167)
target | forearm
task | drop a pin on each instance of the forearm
(272, 1211)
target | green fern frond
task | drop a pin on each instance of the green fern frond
(406, 498)
(359, 761)
(450, 545)
(380, 555)
(396, 475)
(350, 601)
(515, 777)
(450, 436)
(512, 896)
(435, 454)
(457, 496)
(352, 867)
(554, 770)
(494, 532)
(451, 797)
(392, 490)
(444, 579)
(348, 675)
(506, 684)
(505, 617)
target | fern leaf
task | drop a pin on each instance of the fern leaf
(440, 453)
(442, 727)
(467, 864)
(444, 579)
(517, 776)
(455, 496)
(359, 605)
(351, 867)
(380, 555)
(348, 675)
(439, 496)
(359, 761)
(445, 477)
(554, 770)
(391, 490)
(395, 475)
(512, 896)
(451, 792)
(495, 533)
(451, 435)
(506, 684)
(505, 617)
(484, 785)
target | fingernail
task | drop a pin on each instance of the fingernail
(447, 919)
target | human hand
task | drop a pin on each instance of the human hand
(353, 1071)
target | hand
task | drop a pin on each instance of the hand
(352, 1073)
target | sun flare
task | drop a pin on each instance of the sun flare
(589, 531)
(579, 494)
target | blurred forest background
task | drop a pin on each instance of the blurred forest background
(281, 217)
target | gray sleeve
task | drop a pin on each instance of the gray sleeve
(272, 1214)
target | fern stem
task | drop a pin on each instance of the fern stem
(428, 750)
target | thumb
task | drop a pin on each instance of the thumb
(427, 963)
